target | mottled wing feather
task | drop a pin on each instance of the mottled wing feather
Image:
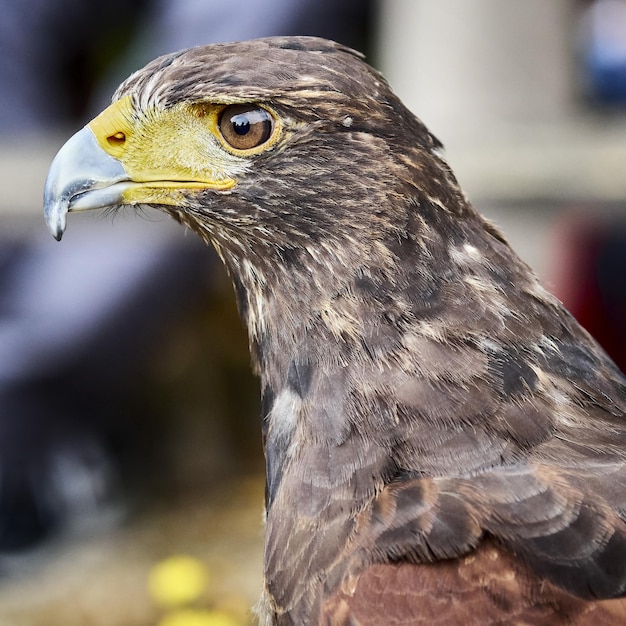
(552, 519)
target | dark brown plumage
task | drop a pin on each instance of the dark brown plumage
(444, 443)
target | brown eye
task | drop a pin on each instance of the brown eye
(244, 126)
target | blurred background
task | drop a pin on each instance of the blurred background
(130, 455)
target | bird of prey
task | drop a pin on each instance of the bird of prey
(444, 443)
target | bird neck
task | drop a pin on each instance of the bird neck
(309, 323)
(339, 330)
(310, 318)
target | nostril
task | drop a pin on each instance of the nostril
(117, 139)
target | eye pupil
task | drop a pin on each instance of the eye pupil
(241, 124)
(245, 126)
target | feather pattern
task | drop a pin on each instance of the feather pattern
(444, 443)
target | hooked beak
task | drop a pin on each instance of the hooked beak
(82, 177)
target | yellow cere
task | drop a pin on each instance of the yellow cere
(114, 126)
(177, 580)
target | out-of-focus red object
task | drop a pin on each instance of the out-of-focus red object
(589, 276)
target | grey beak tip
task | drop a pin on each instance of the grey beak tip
(55, 210)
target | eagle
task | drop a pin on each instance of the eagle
(444, 443)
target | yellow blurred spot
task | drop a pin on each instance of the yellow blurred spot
(176, 581)
(191, 617)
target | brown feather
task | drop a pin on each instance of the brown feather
(488, 587)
